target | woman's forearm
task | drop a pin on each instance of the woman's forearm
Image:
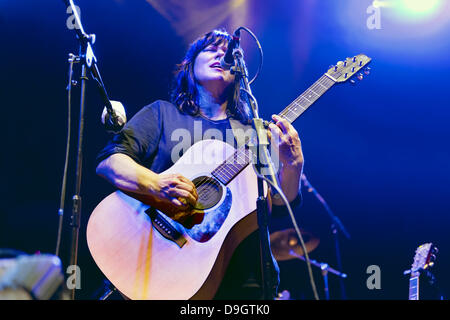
(124, 173)
(289, 178)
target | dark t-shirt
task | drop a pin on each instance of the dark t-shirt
(155, 138)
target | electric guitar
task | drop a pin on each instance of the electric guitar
(423, 259)
(147, 255)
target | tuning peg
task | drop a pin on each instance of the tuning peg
(354, 59)
(367, 70)
(352, 81)
(360, 76)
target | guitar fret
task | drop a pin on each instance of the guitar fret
(414, 288)
(234, 161)
(307, 99)
(219, 177)
(241, 161)
(226, 172)
(321, 85)
(320, 88)
(303, 101)
(228, 169)
(299, 105)
(233, 169)
(310, 92)
(289, 113)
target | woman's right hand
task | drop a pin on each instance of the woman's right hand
(180, 192)
(175, 188)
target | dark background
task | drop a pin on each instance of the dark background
(377, 152)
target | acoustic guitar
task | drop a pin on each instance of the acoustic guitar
(423, 259)
(147, 255)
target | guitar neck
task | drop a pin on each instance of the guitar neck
(231, 167)
(307, 98)
(414, 288)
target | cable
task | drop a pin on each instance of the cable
(261, 54)
(251, 96)
(297, 230)
(72, 59)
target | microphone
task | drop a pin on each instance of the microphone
(227, 61)
(121, 117)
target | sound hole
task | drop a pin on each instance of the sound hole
(209, 192)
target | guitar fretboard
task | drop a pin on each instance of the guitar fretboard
(231, 167)
(306, 99)
(414, 288)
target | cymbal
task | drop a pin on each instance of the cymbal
(284, 242)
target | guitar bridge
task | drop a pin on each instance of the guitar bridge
(165, 228)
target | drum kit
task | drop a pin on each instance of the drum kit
(285, 246)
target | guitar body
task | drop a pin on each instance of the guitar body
(143, 264)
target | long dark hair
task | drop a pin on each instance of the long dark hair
(184, 93)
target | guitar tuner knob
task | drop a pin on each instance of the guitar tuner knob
(360, 76)
(367, 71)
(352, 81)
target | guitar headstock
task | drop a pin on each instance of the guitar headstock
(424, 257)
(344, 70)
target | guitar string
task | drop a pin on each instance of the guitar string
(290, 109)
(297, 102)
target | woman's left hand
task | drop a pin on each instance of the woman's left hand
(289, 145)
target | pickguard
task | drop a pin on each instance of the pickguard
(212, 220)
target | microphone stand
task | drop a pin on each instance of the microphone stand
(88, 60)
(240, 70)
(335, 225)
(325, 268)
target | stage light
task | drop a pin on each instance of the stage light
(418, 9)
